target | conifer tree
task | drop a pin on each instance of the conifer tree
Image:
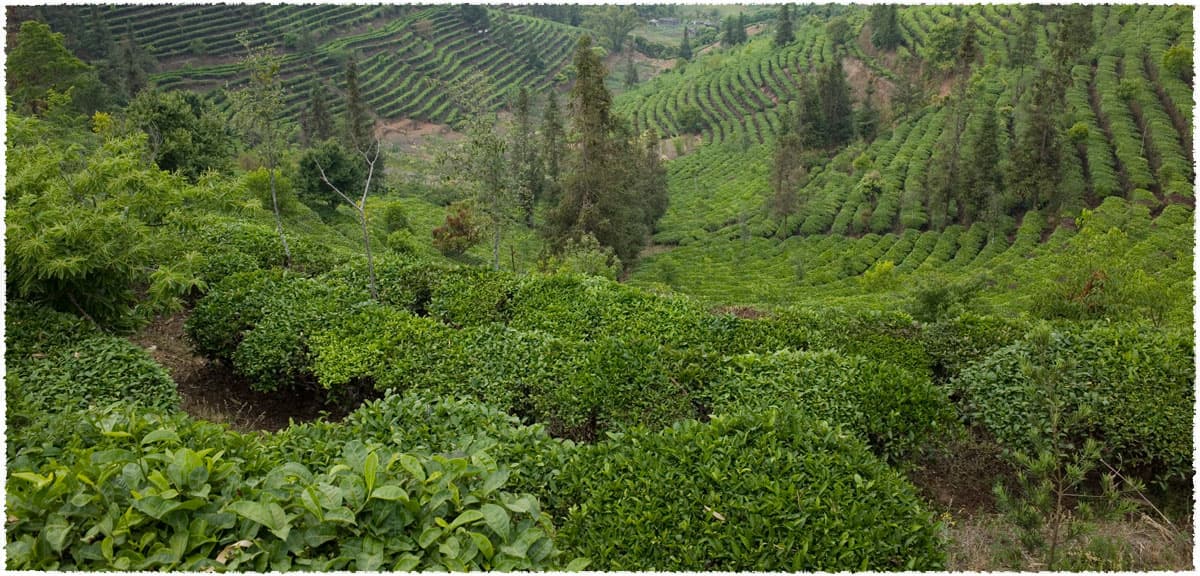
(980, 195)
(553, 143)
(612, 188)
(784, 34)
(885, 27)
(685, 46)
(1037, 151)
(835, 105)
(786, 169)
(728, 36)
(526, 161)
(866, 121)
(317, 124)
(357, 122)
(811, 120)
(631, 76)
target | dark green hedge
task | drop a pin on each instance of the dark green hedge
(894, 410)
(1138, 382)
(771, 491)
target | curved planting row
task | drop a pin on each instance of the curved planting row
(726, 96)
(406, 63)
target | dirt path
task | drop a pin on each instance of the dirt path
(210, 391)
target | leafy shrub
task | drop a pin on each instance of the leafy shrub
(258, 183)
(219, 320)
(186, 495)
(1178, 61)
(31, 329)
(955, 343)
(59, 362)
(460, 231)
(936, 297)
(586, 257)
(744, 492)
(75, 256)
(394, 218)
(403, 242)
(889, 337)
(582, 307)
(259, 322)
(402, 281)
(427, 425)
(343, 168)
(390, 348)
(471, 296)
(579, 389)
(892, 409)
(1137, 384)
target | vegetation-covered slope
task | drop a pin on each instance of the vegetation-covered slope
(920, 279)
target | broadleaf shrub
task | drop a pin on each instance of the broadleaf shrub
(894, 410)
(772, 491)
(953, 344)
(1137, 383)
(132, 490)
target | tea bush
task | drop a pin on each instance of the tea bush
(259, 322)
(894, 410)
(427, 424)
(771, 491)
(578, 389)
(471, 296)
(58, 362)
(129, 490)
(31, 329)
(97, 371)
(955, 343)
(1137, 383)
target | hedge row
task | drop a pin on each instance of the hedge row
(770, 491)
(581, 355)
(1138, 385)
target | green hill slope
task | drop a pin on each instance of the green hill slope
(407, 54)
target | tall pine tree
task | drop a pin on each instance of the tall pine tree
(318, 126)
(885, 27)
(357, 123)
(553, 145)
(685, 46)
(613, 189)
(525, 158)
(836, 105)
(784, 34)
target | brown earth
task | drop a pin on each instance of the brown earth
(210, 391)
(858, 75)
(414, 135)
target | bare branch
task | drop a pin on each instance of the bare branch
(335, 188)
(370, 172)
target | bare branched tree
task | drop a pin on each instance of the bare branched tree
(360, 207)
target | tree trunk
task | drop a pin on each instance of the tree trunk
(287, 253)
(496, 247)
(362, 217)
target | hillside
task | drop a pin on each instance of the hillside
(408, 56)
(846, 288)
(1136, 147)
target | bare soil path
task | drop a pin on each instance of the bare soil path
(210, 391)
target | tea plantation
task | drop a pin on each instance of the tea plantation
(698, 325)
